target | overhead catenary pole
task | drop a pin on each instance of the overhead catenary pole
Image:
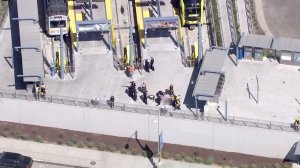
(130, 46)
(199, 44)
(226, 109)
(158, 8)
(91, 9)
(257, 89)
(158, 141)
(62, 55)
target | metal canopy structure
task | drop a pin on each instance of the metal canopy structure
(206, 86)
(32, 59)
(214, 61)
(286, 44)
(257, 41)
(101, 26)
(211, 77)
(162, 23)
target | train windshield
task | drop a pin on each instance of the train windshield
(58, 24)
(192, 12)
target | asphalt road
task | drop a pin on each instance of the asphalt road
(283, 17)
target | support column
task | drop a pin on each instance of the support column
(226, 109)
(130, 46)
(199, 43)
(62, 55)
(91, 9)
(110, 39)
(77, 41)
(158, 8)
(145, 37)
(196, 103)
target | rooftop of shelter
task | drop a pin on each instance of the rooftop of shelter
(254, 40)
(286, 44)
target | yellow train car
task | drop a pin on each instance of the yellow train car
(191, 12)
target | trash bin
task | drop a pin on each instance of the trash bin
(95, 101)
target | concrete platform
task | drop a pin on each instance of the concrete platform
(278, 91)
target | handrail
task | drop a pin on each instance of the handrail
(183, 114)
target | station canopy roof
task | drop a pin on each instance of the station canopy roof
(32, 58)
(213, 60)
(286, 44)
(257, 41)
(209, 74)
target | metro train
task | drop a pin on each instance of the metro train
(190, 11)
(56, 17)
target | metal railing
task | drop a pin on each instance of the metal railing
(231, 21)
(182, 114)
(249, 16)
(220, 23)
(211, 26)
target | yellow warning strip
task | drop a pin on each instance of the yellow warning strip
(176, 13)
(72, 22)
(195, 55)
(140, 20)
(127, 54)
(146, 13)
(109, 16)
(202, 11)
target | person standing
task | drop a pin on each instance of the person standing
(145, 97)
(147, 65)
(144, 87)
(171, 90)
(112, 101)
(152, 63)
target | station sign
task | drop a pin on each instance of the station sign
(163, 23)
(94, 28)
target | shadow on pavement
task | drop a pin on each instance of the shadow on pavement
(290, 156)
(149, 153)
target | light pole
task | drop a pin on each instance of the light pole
(158, 140)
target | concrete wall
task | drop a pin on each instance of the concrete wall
(225, 137)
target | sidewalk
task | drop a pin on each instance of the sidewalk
(225, 23)
(242, 16)
(83, 157)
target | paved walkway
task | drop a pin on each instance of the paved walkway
(242, 16)
(83, 157)
(225, 23)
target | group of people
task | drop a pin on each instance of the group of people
(149, 65)
(40, 90)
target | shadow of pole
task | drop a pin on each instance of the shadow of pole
(146, 148)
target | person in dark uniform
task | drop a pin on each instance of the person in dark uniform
(133, 85)
(112, 101)
(147, 65)
(145, 96)
(152, 63)
(171, 90)
(134, 96)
